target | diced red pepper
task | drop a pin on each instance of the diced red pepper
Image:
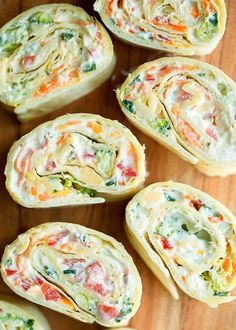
(166, 244)
(56, 238)
(10, 272)
(120, 166)
(39, 281)
(197, 204)
(87, 155)
(51, 165)
(50, 293)
(107, 312)
(25, 284)
(95, 278)
(210, 132)
(28, 60)
(71, 262)
(130, 172)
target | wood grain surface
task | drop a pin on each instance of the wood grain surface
(158, 310)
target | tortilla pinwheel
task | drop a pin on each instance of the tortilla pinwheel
(183, 27)
(189, 107)
(186, 238)
(51, 55)
(75, 159)
(16, 314)
(76, 271)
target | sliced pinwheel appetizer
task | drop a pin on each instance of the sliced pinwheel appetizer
(75, 159)
(185, 237)
(184, 27)
(51, 55)
(189, 107)
(74, 270)
(16, 314)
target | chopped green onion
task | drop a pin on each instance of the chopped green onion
(69, 271)
(41, 18)
(88, 191)
(214, 19)
(89, 67)
(162, 126)
(128, 105)
(67, 35)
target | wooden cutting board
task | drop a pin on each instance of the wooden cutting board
(158, 310)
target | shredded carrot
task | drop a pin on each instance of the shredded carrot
(134, 154)
(66, 247)
(115, 134)
(226, 264)
(96, 127)
(61, 139)
(195, 11)
(43, 197)
(234, 265)
(80, 22)
(33, 191)
(177, 28)
(207, 5)
(184, 279)
(67, 302)
(46, 87)
(68, 124)
(26, 159)
(189, 133)
(74, 73)
(57, 69)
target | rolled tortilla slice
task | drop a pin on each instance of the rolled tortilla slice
(51, 55)
(74, 270)
(182, 232)
(75, 159)
(185, 28)
(189, 107)
(16, 314)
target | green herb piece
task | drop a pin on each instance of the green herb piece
(104, 161)
(67, 35)
(214, 19)
(221, 294)
(184, 226)
(201, 74)
(126, 309)
(48, 271)
(11, 39)
(30, 323)
(162, 126)
(69, 271)
(89, 67)
(135, 79)
(41, 18)
(9, 262)
(9, 47)
(128, 105)
(111, 183)
(206, 31)
(222, 88)
(88, 191)
(71, 156)
(67, 183)
(215, 282)
(169, 196)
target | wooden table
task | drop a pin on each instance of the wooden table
(158, 310)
